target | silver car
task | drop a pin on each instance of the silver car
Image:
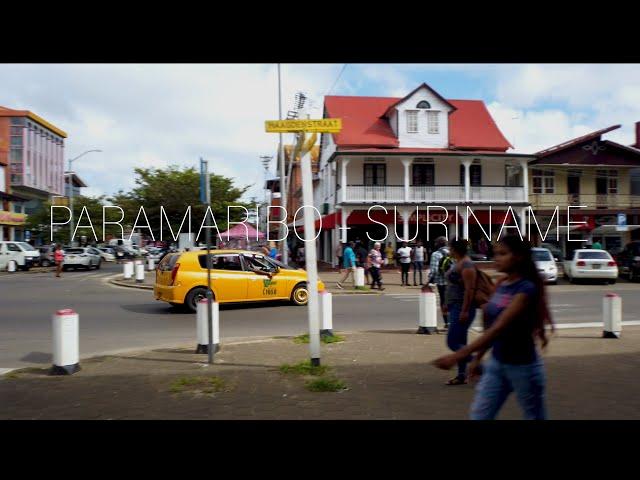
(545, 263)
(81, 257)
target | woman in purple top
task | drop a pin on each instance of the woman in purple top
(515, 317)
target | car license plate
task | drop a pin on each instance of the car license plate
(595, 266)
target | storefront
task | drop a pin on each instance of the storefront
(12, 225)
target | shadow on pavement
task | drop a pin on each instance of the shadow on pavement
(37, 357)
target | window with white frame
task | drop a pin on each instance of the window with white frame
(543, 181)
(606, 181)
(433, 122)
(412, 121)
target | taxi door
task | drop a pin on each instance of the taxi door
(228, 279)
(260, 287)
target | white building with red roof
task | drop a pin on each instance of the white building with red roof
(411, 153)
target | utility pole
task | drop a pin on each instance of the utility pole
(283, 187)
(205, 197)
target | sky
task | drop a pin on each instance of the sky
(155, 115)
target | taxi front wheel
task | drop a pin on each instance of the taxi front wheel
(300, 295)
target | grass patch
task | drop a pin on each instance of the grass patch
(325, 385)
(304, 368)
(204, 384)
(323, 338)
(362, 288)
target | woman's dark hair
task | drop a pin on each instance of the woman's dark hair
(461, 246)
(526, 267)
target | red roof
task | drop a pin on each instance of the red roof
(471, 126)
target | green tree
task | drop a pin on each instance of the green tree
(176, 188)
(40, 222)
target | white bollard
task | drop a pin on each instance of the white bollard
(427, 313)
(127, 270)
(139, 272)
(65, 343)
(358, 277)
(11, 266)
(612, 315)
(326, 313)
(202, 330)
(151, 264)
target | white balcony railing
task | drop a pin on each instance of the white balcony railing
(443, 193)
(433, 194)
(375, 193)
(496, 193)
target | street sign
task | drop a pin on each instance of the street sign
(324, 125)
(622, 219)
(622, 223)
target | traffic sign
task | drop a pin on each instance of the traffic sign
(324, 125)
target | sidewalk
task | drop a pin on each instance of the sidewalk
(386, 373)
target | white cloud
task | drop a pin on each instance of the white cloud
(157, 115)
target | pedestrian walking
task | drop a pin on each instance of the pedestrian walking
(515, 317)
(596, 245)
(339, 254)
(300, 257)
(460, 282)
(273, 251)
(418, 261)
(376, 262)
(438, 266)
(58, 258)
(388, 252)
(349, 264)
(404, 256)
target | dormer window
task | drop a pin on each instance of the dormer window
(423, 104)
(433, 122)
(412, 121)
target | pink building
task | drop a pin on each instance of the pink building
(32, 160)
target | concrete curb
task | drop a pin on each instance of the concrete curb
(120, 283)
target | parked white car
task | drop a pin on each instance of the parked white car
(22, 253)
(546, 264)
(81, 257)
(107, 254)
(593, 264)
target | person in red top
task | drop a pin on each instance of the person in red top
(58, 257)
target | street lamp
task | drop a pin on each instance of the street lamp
(70, 173)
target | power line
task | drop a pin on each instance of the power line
(337, 78)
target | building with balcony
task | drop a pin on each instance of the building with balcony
(411, 155)
(594, 173)
(32, 164)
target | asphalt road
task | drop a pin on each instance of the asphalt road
(116, 318)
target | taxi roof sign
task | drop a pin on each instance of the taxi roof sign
(324, 125)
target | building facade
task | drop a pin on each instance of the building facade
(73, 183)
(413, 156)
(594, 173)
(32, 163)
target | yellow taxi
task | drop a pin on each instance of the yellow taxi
(236, 276)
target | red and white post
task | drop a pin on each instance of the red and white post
(326, 314)
(612, 315)
(66, 351)
(127, 270)
(201, 327)
(139, 271)
(427, 313)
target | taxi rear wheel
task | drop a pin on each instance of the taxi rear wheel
(194, 296)
(300, 295)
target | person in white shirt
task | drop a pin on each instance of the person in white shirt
(418, 261)
(404, 256)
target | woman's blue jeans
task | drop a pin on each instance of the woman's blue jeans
(499, 379)
(457, 333)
